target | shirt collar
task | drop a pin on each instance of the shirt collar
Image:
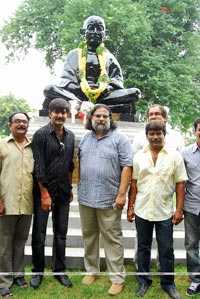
(106, 135)
(195, 148)
(53, 130)
(11, 138)
(164, 149)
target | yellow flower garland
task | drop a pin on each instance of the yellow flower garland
(103, 80)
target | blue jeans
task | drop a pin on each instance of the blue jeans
(164, 237)
(192, 239)
(60, 215)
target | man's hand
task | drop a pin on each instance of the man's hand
(120, 201)
(131, 215)
(2, 208)
(107, 91)
(46, 203)
(177, 217)
(71, 196)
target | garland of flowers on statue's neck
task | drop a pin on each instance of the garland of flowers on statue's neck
(103, 80)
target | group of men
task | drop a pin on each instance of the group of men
(106, 166)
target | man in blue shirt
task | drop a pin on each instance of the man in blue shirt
(191, 155)
(105, 156)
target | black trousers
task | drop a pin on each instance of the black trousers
(60, 216)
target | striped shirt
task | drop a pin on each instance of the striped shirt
(191, 156)
(53, 160)
(101, 160)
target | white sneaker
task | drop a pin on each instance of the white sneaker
(193, 288)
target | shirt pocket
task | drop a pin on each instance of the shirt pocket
(164, 173)
(29, 164)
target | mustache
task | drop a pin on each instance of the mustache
(21, 128)
(155, 141)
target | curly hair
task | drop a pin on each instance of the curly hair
(88, 124)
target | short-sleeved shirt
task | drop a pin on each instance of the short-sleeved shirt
(191, 156)
(155, 183)
(16, 177)
(101, 161)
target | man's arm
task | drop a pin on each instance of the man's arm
(2, 208)
(180, 193)
(45, 198)
(120, 200)
(70, 184)
(131, 200)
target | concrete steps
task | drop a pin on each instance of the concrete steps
(74, 245)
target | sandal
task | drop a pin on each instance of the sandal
(21, 282)
(6, 293)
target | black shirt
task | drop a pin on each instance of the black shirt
(53, 160)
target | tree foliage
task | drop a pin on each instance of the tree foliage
(156, 42)
(9, 105)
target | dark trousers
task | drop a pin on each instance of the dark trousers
(164, 237)
(192, 245)
(60, 215)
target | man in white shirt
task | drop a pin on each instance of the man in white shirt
(156, 170)
(173, 139)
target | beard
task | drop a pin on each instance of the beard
(100, 127)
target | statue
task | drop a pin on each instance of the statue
(92, 73)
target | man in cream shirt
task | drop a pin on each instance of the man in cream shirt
(156, 170)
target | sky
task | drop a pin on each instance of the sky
(28, 77)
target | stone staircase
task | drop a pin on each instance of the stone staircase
(74, 248)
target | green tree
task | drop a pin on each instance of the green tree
(156, 42)
(8, 105)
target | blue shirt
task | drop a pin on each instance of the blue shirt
(101, 160)
(191, 156)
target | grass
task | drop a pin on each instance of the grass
(51, 289)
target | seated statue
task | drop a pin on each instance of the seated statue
(92, 73)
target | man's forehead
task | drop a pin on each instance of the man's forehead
(155, 131)
(94, 20)
(154, 110)
(60, 110)
(19, 116)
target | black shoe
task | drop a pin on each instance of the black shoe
(193, 289)
(64, 280)
(36, 281)
(142, 289)
(173, 293)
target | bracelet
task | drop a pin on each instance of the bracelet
(44, 196)
(130, 208)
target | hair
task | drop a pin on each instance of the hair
(196, 122)
(88, 124)
(155, 125)
(12, 115)
(162, 110)
(58, 103)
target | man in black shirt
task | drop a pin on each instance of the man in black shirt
(53, 149)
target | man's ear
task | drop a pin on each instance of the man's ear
(82, 31)
(106, 32)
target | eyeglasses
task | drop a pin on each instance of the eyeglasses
(101, 115)
(18, 121)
